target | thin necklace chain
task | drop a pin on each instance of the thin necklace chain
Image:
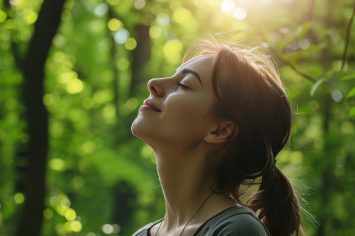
(188, 222)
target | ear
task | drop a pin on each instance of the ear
(221, 132)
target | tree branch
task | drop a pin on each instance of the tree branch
(292, 66)
(284, 61)
(347, 38)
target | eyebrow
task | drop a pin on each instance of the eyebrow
(189, 71)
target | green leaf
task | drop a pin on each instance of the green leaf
(304, 28)
(352, 112)
(316, 85)
(351, 93)
(350, 76)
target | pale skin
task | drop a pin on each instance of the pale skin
(185, 135)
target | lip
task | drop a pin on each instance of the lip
(148, 104)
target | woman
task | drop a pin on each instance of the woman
(216, 127)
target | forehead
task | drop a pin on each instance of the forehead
(201, 64)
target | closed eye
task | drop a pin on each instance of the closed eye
(180, 85)
(189, 71)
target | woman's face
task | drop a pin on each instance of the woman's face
(180, 108)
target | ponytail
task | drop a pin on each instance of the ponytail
(277, 204)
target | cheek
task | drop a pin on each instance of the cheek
(187, 117)
(182, 120)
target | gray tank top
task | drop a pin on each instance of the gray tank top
(234, 221)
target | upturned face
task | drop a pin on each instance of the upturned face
(180, 108)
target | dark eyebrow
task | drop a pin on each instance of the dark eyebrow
(189, 71)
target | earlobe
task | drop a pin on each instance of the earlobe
(222, 133)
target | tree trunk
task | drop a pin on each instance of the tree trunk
(37, 116)
(124, 205)
(113, 60)
(326, 175)
(140, 57)
(328, 180)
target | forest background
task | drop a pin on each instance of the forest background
(73, 74)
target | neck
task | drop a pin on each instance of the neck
(187, 181)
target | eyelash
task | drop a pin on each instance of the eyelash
(181, 85)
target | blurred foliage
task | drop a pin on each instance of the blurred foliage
(101, 180)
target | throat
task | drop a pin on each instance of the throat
(184, 226)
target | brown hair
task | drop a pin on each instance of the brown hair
(250, 93)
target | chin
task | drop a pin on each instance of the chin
(138, 129)
(144, 133)
(134, 128)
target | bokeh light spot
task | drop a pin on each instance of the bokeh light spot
(239, 13)
(337, 95)
(139, 4)
(102, 96)
(48, 214)
(163, 20)
(114, 24)
(61, 209)
(304, 44)
(121, 36)
(48, 99)
(66, 77)
(72, 84)
(75, 86)
(122, 64)
(70, 214)
(14, 2)
(3, 16)
(57, 129)
(147, 152)
(30, 16)
(116, 228)
(88, 147)
(172, 51)
(229, 7)
(155, 32)
(100, 10)
(63, 200)
(130, 105)
(109, 113)
(75, 226)
(296, 157)
(19, 198)
(59, 40)
(182, 16)
(131, 44)
(57, 164)
(107, 229)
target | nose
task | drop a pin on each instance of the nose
(155, 87)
